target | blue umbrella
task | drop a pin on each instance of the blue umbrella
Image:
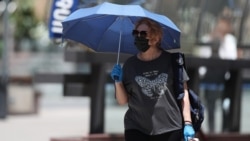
(108, 27)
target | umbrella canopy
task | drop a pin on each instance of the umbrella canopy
(108, 27)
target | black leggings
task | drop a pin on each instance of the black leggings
(135, 135)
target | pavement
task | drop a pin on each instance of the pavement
(64, 117)
(69, 117)
(56, 122)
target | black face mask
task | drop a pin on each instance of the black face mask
(141, 43)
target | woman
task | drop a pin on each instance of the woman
(146, 83)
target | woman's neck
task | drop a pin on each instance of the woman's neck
(150, 54)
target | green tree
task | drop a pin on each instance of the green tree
(24, 22)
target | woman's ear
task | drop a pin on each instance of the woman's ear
(156, 40)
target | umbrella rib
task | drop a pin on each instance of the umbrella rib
(106, 29)
(84, 19)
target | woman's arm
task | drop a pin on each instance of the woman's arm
(120, 93)
(186, 106)
(188, 131)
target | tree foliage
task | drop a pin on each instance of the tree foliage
(24, 20)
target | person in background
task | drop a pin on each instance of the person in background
(227, 41)
(145, 83)
(223, 45)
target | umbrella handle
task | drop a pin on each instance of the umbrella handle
(119, 48)
(118, 54)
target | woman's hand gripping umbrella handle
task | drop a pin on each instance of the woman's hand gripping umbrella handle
(116, 73)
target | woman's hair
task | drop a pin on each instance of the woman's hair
(155, 28)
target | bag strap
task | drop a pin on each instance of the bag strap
(178, 63)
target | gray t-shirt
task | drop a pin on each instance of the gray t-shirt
(152, 104)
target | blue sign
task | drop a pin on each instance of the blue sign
(59, 11)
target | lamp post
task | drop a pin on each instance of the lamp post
(4, 63)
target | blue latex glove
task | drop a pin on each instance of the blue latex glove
(116, 73)
(188, 132)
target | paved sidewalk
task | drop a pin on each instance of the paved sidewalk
(50, 122)
(70, 118)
